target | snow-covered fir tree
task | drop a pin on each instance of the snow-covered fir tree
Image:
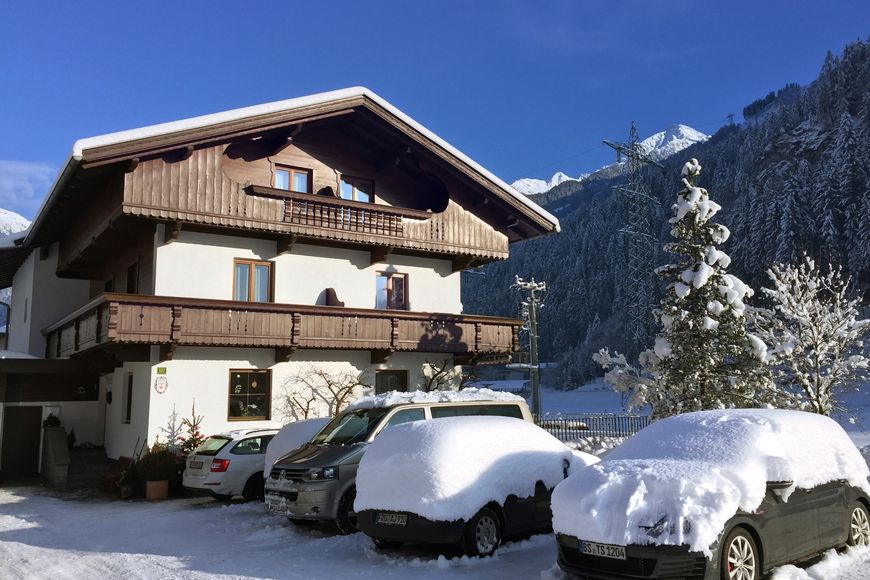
(703, 358)
(813, 333)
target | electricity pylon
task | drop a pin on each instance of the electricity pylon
(530, 308)
(640, 242)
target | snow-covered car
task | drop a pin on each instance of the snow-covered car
(229, 464)
(317, 482)
(724, 494)
(292, 436)
(470, 481)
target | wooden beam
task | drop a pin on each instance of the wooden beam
(284, 353)
(285, 244)
(167, 351)
(171, 232)
(131, 165)
(461, 263)
(380, 356)
(284, 141)
(381, 253)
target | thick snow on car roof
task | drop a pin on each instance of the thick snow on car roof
(468, 395)
(447, 469)
(291, 437)
(693, 472)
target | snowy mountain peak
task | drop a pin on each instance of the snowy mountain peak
(11, 222)
(672, 140)
(529, 186)
(659, 145)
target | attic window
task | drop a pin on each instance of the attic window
(292, 179)
(355, 189)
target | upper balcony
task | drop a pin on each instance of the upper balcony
(113, 321)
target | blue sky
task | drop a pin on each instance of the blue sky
(524, 88)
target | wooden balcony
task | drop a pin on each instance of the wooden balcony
(115, 320)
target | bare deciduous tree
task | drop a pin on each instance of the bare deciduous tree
(318, 392)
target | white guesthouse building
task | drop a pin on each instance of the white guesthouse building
(219, 258)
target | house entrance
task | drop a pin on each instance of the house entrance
(21, 433)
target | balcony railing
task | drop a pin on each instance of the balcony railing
(117, 319)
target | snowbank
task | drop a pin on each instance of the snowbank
(691, 473)
(446, 470)
(464, 396)
(291, 436)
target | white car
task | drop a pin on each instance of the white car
(229, 464)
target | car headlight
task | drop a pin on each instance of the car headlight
(322, 474)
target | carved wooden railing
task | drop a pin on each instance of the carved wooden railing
(165, 320)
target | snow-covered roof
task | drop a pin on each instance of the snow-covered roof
(691, 473)
(162, 129)
(468, 395)
(447, 469)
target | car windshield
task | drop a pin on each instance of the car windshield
(350, 427)
(212, 445)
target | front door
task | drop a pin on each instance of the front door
(22, 427)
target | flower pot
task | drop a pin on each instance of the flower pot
(156, 490)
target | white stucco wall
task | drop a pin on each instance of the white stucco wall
(201, 375)
(200, 265)
(47, 298)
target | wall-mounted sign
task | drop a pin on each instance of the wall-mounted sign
(161, 370)
(161, 384)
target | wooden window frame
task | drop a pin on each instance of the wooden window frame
(350, 179)
(251, 270)
(393, 372)
(389, 276)
(268, 415)
(276, 167)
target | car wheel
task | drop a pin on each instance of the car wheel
(254, 488)
(382, 544)
(345, 517)
(859, 526)
(482, 534)
(740, 559)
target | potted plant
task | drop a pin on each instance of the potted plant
(127, 481)
(156, 468)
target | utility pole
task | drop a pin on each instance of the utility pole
(530, 314)
(640, 242)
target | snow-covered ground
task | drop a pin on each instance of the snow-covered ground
(43, 534)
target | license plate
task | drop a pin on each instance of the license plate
(276, 504)
(603, 550)
(196, 464)
(391, 519)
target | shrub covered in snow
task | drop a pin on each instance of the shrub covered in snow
(681, 479)
(448, 469)
(814, 334)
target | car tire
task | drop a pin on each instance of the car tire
(482, 534)
(382, 544)
(345, 517)
(859, 525)
(739, 558)
(253, 489)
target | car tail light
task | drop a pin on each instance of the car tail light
(219, 465)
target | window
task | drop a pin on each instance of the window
(466, 410)
(405, 416)
(390, 381)
(127, 402)
(252, 281)
(292, 179)
(250, 395)
(357, 189)
(391, 291)
(251, 446)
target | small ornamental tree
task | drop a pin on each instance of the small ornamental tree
(814, 334)
(703, 358)
(193, 437)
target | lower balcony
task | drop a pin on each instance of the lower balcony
(114, 321)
